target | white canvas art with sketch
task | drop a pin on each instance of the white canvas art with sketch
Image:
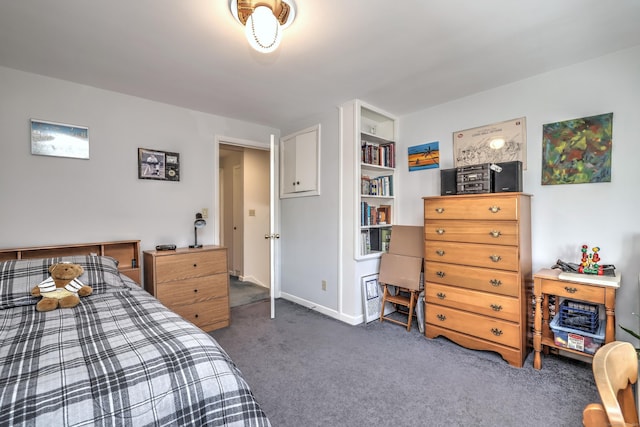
(499, 142)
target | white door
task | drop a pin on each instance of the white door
(274, 236)
(238, 225)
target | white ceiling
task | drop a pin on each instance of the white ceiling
(400, 55)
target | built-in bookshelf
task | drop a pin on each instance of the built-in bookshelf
(377, 172)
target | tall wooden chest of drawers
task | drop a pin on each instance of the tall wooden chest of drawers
(477, 251)
(192, 282)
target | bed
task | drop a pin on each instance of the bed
(118, 358)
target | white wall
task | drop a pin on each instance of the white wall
(48, 200)
(564, 216)
(309, 228)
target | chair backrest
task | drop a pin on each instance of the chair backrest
(615, 370)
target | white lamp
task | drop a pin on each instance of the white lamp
(264, 21)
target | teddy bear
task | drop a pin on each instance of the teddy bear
(61, 289)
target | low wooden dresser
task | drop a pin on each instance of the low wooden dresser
(192, 282)
(477, 252)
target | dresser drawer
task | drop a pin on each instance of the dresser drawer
(595, 294)
(478, 255)
(492, 232)
(192, 291)
(498, 331)
(207, 315)
(471, 208)
(498, 306)
(188, 265)
(477, 278)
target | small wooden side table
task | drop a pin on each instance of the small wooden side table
(546, 282)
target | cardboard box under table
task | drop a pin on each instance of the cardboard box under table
(402, 268)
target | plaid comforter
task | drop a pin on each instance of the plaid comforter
(119, 358)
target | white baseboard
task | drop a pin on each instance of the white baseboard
(351, 320)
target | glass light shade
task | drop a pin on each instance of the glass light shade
(263, 30)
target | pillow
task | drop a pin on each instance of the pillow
(18, 277)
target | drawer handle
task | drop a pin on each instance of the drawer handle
(495, 233)
(440, 252)
(195, 265)
(441, 317)
(440, 231)
(496, 307)
(570, 290)
(440, 274)
(495, 282)
(441, 295)
(494, 209)
(495, 258)
(196, 316)
(195, 290)
(439, 210)
(495, 331)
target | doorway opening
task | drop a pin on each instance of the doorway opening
(244, 221)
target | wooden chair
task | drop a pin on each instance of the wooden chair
(615, 369)
(398, 300)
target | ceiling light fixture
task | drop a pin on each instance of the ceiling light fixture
(264, 21)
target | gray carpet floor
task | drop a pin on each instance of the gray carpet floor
(241, 293)
(307, 369)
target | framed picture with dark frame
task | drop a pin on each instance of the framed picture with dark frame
(158, 165)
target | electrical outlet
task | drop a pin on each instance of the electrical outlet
(324, 285)
(205, 213)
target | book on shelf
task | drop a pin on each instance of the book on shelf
(384, 214)
(385, 238)
(365, 243)
(379, 154)
(374, 238)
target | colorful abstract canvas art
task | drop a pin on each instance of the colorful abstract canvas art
(577, 151)
(424, 156)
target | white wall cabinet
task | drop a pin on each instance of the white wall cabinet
(300, 163)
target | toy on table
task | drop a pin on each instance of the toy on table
(590, 261)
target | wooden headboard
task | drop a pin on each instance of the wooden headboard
(127, 252)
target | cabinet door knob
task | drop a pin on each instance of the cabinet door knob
(440, 252)
(495, 258)
(196, 316)
(496, 307)
(441, 295)
(495, 331)
(495, 282)
(441, 274)
(440, 231)
(494, 209)
(439, 210)
(195, 290)
(195, 265)
(570, 290)
(441, 317)
(495, 233)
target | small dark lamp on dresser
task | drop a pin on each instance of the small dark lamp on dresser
(192, 282)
